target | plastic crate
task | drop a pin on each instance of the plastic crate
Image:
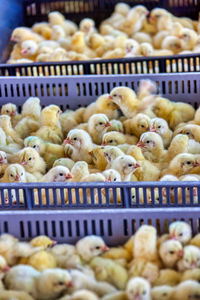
(27, 12)
(115, 226)
(73, 92)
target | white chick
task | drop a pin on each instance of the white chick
(131, 48)
(78, 144)
(3, 158)
(172, 43)
(126, 165)
(97, 126)
(180, 231)
(66, 256)
(57, 174)
(79, 171)
(170, 252)
(112, 175)
(191, 258)
(138, 289)
(90, 246)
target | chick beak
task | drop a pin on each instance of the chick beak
(147, 13)
(107, 124)
(1, 161)
(60, 112)
(151, 18)
(110, 97)
(173, 236)
(12, 39)
(109, 179)
(137, 166)
(13, 113)
(24, 51)
(153, 129)
(105, 248)
(193, 264)
(54, 243)
(137, 297)
(24, 163)
(17, 178)
(140, 144)
(196, 164)
(68, 176)
(180, 36)
(180, 253)
(67, 141)
(70, 284)
(104, 144)
(5, 269)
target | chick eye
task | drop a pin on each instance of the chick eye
(22, 174)
(35, 146)
(159, 126)
(30, 158)
(180, 234)
(75, 139)
(187, 133)
(11, 175)
(144, 293)
(97, 247)
(100, 123)
(110, 141)
(60, 282)
(7, 111)
(61, 174)
(188, 162)
(130, 165)
(147, 142)
(115, 95)
(171, 252)
(115, 179)
(133, 197)
(142, 126)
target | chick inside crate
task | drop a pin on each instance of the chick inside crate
(104, 255)
(120, 141)
(87, 37)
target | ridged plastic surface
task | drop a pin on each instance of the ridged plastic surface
(26, 13)
(115, 226)
(72, 92)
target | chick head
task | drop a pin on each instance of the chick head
(86, 25)
(20, 34)
(36, 143)
(84, 295)
(91, 246)
(142, 123)
(3, 265)
(141, 10)
(78, 138)
(162, 107)
(180, 231)
(156, 14)
(65, 162)
(111, 153)
(15, 173)
(43, 241)
(103, 102)
(170, 251)
(131, 46)
(125, 164)
(172, 43)
(80, 167)
(55, 280)
(185, 162)
(122, 8)
(29, 47)
(159, 126)
(98, 157)
(98, 123)
(9, 109)
(150, 140)
(116, 125)
(112, 175)
(187, 35)
(189, 130)
(191, 257)
(120, 94)
(138, 289)
(146, 49)
(113, 138)
(3, 158)
(59, 174)
(56, 18)
(51, 112)
(28, 157)
(163, 292)
(57, 32)
(32, 106)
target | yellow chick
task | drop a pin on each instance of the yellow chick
(192, 274)
(191, 130)
(110, 154)
(98, 157)
(167, 277)
(50, 129)
(17, 295)
(30, 49)
(173, 113)
(107, 270)
(43, 29)
(188, 38)
(97, 126)
(14, 173)
(125, 165)
(195, 241)
(162, 292)
(131, 48)
(186, 290)
(48, 151)
(137, 125)
(170, 252)
(5, 124)
(65, 162)
(22, 34)
(114, 138)
(7, 242)
(79, 171)
(43, 241)
(116, 125)
(10, 109)
(30, 159)
(191, 258)
(78, 44)
(41, 260)
(140, 249)
(78, 144)
(161, 127)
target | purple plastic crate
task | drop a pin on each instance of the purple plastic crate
(28, 12)
(115, 226)
(72, 92)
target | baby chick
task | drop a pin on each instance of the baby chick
(10, 109)
(191, 258)
(90, 247)
(140, 249)
(5, 124)
(15, 295)
(170, 252)
(114, 138)
(57, 174)
(14, 173)
(161, 127)
(187, 290)
(180, 231)
(78, 144)
(125, 165)
(97, 126)
(65, 162)
(162, 292)
(191, 130)
(137, 125)
(79, 171)
(21, 34)
(138, 288)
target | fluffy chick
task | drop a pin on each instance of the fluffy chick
(10, 109)
(140, 248)
(186, 290)
(79, 171)
(14, 173)
(15, 295)
(191, 258)
(57, 174)
(161, 127)
(65, 162)
(5, 124)
(114, 138)
(21, 34)
(180, 231)
(162, 292)
(137, 125)
(138, 288)
(78, 145)
(170, 252)
(125, 165)
(97, 126)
